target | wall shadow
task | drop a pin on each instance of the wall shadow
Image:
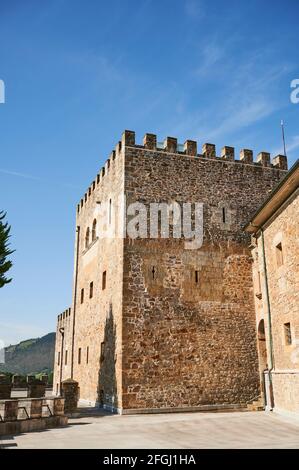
(107, 385)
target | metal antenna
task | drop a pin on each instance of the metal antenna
(283, 138)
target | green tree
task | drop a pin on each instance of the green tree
(5, 251)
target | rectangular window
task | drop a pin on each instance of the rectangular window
(65, 359)
(91, 290)
(58, 359)
(104, 280)
(102, 351)
(110, 210)
(56, 389)
(287, 333)
(87, 354)
(79, 356)
(259, 286)
(223, 215)
(196, 277)
(82, 296)
(279, 254)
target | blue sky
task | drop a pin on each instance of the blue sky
(77, 73)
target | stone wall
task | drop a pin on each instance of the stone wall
(144, 343)
(98, 374)
(32, 414)
(188, 344)
(283, 285)
(63, 355)
(286, 392)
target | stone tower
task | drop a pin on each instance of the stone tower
(155, 325)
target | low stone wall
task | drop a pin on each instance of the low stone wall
(32, 387)
(37, 424)
(24, 415)
(24, 393)
(5, 387)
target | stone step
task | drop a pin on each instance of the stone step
(255, 406)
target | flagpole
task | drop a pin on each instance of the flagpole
(283, 138)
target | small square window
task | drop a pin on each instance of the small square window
(279, 255)
(82, 296)
(91, 290)
(287, 333)
(104, 280)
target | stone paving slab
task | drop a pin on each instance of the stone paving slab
(184, 430)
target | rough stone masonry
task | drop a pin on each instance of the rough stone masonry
(153, 325)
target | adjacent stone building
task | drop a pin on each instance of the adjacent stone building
(275, 250)
(156, 325)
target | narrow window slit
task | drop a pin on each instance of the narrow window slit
(154, 273)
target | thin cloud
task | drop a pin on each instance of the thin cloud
(248, 94)
(293, 145)
(247, 114)
(36, 178)
(194, 9)
(211, 55)
(21, 175)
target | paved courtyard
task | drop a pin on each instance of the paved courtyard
(183, 430)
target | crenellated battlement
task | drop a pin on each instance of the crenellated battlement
(101, 175)
(188, 149)
(171, 145)
(64, 315)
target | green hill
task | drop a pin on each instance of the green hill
(31, 356)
